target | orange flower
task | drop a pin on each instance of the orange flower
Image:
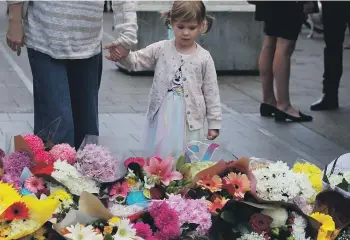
(213, 184)
(107, 230)
(215, 206)
(237, 184)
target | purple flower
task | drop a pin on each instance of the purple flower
(12, 179)
(97, 162)
(17, 161)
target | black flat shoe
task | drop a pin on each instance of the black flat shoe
(267, 110)
(281, 116)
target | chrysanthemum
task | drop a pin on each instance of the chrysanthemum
(143, 230)
(119, 189)
(215, 206)
(34, 184)
(213, 184)
(79, 232)
(125, 230)
(327, 225)
(236, 184)
(18, 210)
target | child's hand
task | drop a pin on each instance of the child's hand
(212, 134)
(116, 51)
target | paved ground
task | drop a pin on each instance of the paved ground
(123, 100)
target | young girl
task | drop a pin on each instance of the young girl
(184, 90)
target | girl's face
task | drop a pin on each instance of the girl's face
(186, 32)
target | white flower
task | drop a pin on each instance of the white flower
(79, 232)
(124, 211)
(69, 176)
(252, 236)
(276, 182)
(279, 216)
(346, 176)
(299, 226)
(125, 230)
(335, 179)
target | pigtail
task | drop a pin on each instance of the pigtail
(208, 21)
(166, 16)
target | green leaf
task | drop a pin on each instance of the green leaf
(180, 161)
(228, 217)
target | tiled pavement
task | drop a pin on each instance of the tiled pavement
(123, 100)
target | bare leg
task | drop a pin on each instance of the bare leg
(281, 70)
(266, 70)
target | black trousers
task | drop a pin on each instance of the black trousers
(336, 15)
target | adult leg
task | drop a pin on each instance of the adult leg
(51, 95)
(334, 24)
(266, 70)
(84, 79)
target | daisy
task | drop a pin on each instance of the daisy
(125, 230)
(79, 232)
(119, 189)
(33, 184)
(215, 206)
(18, 210)
(237, 184)
(213, 184)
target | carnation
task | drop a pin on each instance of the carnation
(17, 161)
(279, 216)
(98, 163)
(43, 156)
(143, 230)
(34, 142)
(64, 152)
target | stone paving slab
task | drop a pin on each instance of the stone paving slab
(243, 135)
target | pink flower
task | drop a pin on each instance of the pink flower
(64, 152)
(119, 189)
(163, 169)
(138, 160)
(143, 230)
(33, 184)
(152, 238)
(34, 142)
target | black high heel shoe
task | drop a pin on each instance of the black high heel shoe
(267, 110)
(281, 116)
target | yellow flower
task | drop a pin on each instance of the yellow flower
(8, 195)
(60, 194)
(113, 221)
(39, 235)
(107, 230)
(131, 182)
(314, 173)
(327, 225)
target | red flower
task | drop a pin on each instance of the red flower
(138, 160)
(18, 210)
(260, 223)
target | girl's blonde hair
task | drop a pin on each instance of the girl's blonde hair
(186, 11)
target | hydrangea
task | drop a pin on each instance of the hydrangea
(277, 182)
(97, 162)
(191, 211)
(64, 152)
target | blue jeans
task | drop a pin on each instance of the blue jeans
(66, 89)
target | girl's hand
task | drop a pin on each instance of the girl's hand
(15, 36)
(212, 134)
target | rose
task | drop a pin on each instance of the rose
(260, 223)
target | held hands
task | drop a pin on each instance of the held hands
(212, 134)
(116, 51)
(15, 36)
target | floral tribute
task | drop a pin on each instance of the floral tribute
(58, 192)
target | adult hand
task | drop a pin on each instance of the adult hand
(15, 36)
(116, 51)
(212, 134)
